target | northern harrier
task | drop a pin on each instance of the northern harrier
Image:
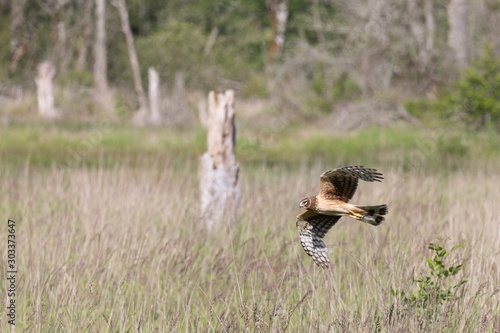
(325, 209)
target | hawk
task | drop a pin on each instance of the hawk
(325, 209)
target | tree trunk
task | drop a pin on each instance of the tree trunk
(62, 46)
(154, 82)
(18, 43)
(45, 90)
(211, 40)
(279, 17)
(457, 35)
(218, 171)
(134, 62)
(84, 40)
(430, 26)
(100, 64)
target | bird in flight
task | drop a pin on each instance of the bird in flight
(332, 202)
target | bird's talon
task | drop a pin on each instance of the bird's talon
(356, 216)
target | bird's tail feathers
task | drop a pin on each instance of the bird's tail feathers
(374, 214)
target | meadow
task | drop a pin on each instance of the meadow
(109, 237)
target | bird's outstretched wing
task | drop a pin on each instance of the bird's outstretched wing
(312, 228)
(341, 183)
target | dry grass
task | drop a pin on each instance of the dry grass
(121, 250)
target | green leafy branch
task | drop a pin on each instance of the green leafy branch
(436, 288)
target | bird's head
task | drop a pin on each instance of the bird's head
(307, 203)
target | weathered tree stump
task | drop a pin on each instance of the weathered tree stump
(153, 84)
(218, 171)
(45, 89)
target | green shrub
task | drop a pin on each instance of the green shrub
(178, 46)
(122, 109)
(255, 87)
(435, 289)
(77, 78)
(346, 88)
(451, 146)
(329, 88)
(429, 110)
(478, 93)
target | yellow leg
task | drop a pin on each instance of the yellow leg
(356, 216)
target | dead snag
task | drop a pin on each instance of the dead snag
(218, 171)
(154, 83)
(45, 89)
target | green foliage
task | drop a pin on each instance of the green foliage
(346, 88)
(256, 86)
(4, 51)
(451, 145)
(411, 150)
(329, 87)
(478, 93)
(178, 46)
(431, 111)
(436, 288)
(122, 109)
(225, 43)
(77, 78)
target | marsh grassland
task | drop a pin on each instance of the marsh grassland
(115, 244)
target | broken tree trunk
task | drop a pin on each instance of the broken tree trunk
(218, 171)
(45, 89)
(154, 83)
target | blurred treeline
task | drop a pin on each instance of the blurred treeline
(434, 57)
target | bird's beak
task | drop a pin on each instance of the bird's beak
(301, 205)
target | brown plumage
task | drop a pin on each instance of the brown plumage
(324, 210)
